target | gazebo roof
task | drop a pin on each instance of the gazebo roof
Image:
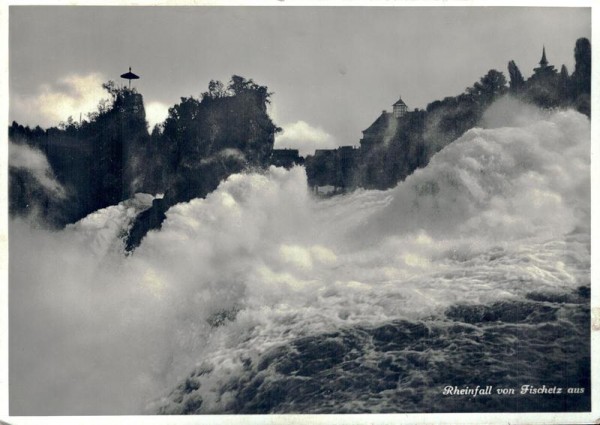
(130, 75)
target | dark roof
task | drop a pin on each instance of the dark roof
(379, 124)
(285, 152)
(130, 75)
(399, 103)
(324, 152)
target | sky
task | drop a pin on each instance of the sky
(332, 70)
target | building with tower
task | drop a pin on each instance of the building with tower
(387, 121)
(545, 68)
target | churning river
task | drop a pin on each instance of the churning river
(261, 298)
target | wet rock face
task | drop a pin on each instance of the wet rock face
(150, 219)
(403, 366)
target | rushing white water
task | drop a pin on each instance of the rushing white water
(500, 212)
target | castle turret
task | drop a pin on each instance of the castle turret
(400, 108)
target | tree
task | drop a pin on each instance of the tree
(239, 84)
(204, 141)
(516, 78)
(111, 87)
(490, 86)
(581, 78)
(563, 84)
(216, 90)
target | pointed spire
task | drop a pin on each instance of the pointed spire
(544, 61)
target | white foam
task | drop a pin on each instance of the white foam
(499, 212)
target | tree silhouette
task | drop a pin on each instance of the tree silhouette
(491, 85)
(204, 141)
(564, 84)
(516, 78)
(581, 78)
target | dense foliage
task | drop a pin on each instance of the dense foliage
(201, 143)
(406, 143)
(109, 156)
(92, 159)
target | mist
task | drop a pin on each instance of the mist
(93, 331)
(33, 161)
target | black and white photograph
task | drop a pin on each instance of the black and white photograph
(300, 210)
